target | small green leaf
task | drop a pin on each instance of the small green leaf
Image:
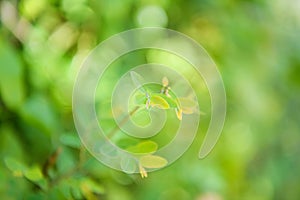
(141, 117)
(65, 161)
(143, 147)
(152, 161)
(171, 101)
(126, 142)
(34, 174)
(128, 164)
(159, 102)
(71, 140)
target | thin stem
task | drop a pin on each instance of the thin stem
(124, 121)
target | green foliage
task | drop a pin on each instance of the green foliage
(256, 46)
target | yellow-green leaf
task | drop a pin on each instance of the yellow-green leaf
(158, 101)
(34, 174)
(152, 161)
(170, 100)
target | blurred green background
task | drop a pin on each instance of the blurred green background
(256, 46)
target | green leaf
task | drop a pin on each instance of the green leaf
(141, 117)
(39, 111)
(143, 147)
(152, 161)
(34, 174)
(65, 161)
(125, 142)
(158, 101)
(71, 140)
(128, 164)
(15, 166)
(171, 100)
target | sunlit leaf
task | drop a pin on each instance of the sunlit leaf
(34, 174)
(152, 161)
(159, 102)
(170, 100)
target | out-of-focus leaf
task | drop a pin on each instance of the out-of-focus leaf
(152, 161)
(38, 112)
(128, 164)
(11, 77)
(144, 147)
(71, 140)
(141, 117)
(90, 187)
(65, 161)
(15, 166)
(34, 174)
